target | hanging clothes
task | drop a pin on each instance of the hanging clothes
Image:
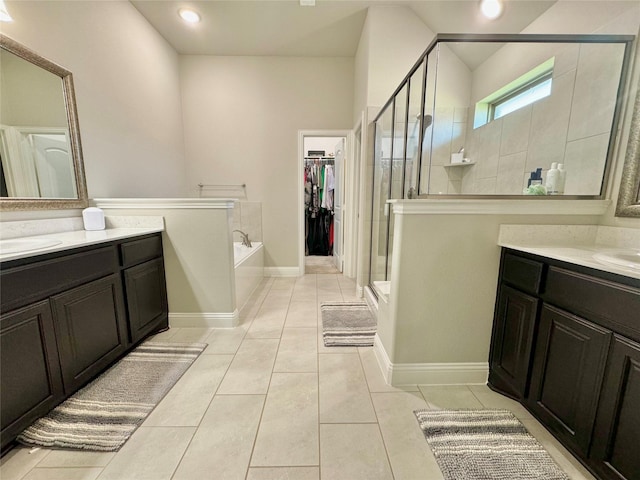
(319, 184)
(329, 185)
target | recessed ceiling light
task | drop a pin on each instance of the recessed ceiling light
(4, 13)
(491, 8)
(188, 15)
(307, 3)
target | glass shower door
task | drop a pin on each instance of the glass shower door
(381, 191)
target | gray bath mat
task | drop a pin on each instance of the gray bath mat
(347, 324)
(485, 444)
(104, 414)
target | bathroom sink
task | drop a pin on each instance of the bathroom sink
(625, 258)
(17, 245)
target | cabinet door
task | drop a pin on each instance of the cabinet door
(567, 373)
(512, 341)
(146, 298)
(615, 448)
(91, 329)
(29, 368)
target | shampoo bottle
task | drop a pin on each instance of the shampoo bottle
(552, 179)
(562, 175)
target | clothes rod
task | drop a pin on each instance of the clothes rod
(202, 185)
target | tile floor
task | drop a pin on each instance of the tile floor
(267, 401)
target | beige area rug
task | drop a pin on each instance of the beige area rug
(319, 264)
(347, 324)
(103, 415)
(484, 444)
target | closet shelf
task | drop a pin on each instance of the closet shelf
(464, 164)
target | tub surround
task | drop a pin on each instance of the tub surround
(70, 233)
(199, 260)
(248, 270)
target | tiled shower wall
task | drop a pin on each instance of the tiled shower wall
(247, 217)
(449, 135)
(571, 126)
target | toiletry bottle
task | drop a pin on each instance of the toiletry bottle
(551, 182)
(536, 177)
(562, 176)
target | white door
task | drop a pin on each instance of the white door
(337, 204)
(54, 166)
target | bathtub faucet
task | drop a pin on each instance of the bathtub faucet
(245, 238)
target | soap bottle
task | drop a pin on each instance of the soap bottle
(562, 176)
(551, 182)
(536, 177)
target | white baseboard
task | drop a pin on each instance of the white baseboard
(204, 319)
(462, 373)
(281, 272)
(371, 300)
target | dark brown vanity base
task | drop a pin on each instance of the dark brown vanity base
(566, 344)
(67, 316)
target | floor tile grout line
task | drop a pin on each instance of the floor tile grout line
(266, 395)
(214, 395)
(315, 281)
(202, 418)
(384, 443)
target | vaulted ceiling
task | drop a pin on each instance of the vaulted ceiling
(331, 28)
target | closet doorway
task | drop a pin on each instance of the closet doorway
(322, 184)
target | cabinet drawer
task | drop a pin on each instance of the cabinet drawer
(610, 304)
(138, 251)
(522, 273)
(30, 283)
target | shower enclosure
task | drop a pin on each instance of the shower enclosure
(482, 116)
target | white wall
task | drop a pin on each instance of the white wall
(601, 17)
(392, 40)
(127, 91)
(328, 144)
(443, 284)
(241, 122)
(19, 79)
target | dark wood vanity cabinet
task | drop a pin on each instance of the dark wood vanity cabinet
(566, 344)
(67, 316)
(29, 368)
(616, 441)
(91, 327)
(570, 355)
(144, 282)
(512, 340)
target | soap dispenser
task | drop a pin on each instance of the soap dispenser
(551, 182)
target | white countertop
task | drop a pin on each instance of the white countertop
(80, 238)
(576, 244)
(578, 255)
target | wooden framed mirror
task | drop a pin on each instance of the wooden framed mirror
(629, 196)
(40, 149)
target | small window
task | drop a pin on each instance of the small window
(520, 98)
(519, 93)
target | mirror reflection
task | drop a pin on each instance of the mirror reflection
(35, 144)
(521, 118)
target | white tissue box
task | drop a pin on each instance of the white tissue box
(457, 157)
(93, 218)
